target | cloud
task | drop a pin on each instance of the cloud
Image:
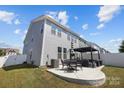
(112, 45)
(118, 40)
(85, 26)
(95, 34)
(60, 16)
(52, 14)
(7, 17)
(75, 17)
(107, 13)
(17, 22)
(17, 31)
(82, 36)
(63, 17)
(21, 33)
(100, 26)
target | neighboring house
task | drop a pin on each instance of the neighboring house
(47, 39)
(10, 51)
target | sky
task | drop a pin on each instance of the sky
(103, 25)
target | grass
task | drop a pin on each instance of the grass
(28, 76)
(114, 77)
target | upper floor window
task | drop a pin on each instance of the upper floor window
(53, 30)
(75, 40)
(68, 37)
(58, 30)
(42, 28)
(32, 39)
(59, 34)
(72, 39)
(48, 22)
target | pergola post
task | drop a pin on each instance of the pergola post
(91, 55)
(81, 56)
(98, 55)
(70, 54)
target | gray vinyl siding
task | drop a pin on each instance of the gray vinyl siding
(45, 45)
(36, 45)
(52, 42)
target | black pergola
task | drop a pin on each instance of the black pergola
(87, 49)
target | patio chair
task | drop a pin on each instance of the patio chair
(70, 64)
(85, 62)
(64, 63)
(73, 65)
(94, 64)
(80, 63)
(100, 62)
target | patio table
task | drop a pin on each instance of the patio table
(72, 64)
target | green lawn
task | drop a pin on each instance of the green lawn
(31, 76)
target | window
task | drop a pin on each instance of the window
(59, 52)
(30, 55)
(58, 32)
(32, 39)
(42, 27)
(72, 45)
(72, 39)
(64, 53)
(53, 30)
(68, 37)
(48, 22)
(41, 30)
(75, 40)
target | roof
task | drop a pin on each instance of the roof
(85, 49)
(58, 24)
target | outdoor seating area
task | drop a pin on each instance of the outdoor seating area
(84, 76)
(83, 71)
(72, 64)
(88, 62)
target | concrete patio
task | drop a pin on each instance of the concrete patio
(84, 76)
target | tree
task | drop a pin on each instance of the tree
(121, 49)
(2, 53)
